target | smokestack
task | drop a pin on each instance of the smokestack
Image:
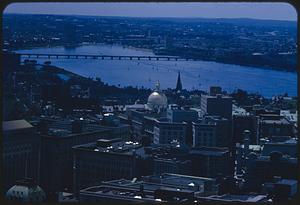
(142, 190)
(246, 142)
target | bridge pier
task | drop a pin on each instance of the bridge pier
(106, 57)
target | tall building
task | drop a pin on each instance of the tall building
(21, 152)
(212, 131)
(215, 90)
(178, 84)
(12, 61)
(210, 161)
(217, 105)
(57, 157)
(245, 122)
(176, 113)
(165, 132)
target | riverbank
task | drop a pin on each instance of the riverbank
(196, 75)
(168, 53)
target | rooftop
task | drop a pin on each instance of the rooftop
(15, 125)
(120, 193)
(209, 151)
(287, 182)
(237, 198)
(112, 146)
(217, 96)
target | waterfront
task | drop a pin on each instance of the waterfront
(194, 74)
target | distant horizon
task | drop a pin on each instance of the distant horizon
(213, 10)
(158, 17)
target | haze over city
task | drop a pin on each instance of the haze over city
(273, 11)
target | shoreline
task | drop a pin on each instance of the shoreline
(146, 88)
(151, 50)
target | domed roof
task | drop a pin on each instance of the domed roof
(26, 191)
(157, 98)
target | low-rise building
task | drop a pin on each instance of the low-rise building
(106, 160)
(274, 125)
(150, 189)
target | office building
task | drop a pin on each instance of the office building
(288, 147)
(176, 113)
(274, 125)
(210, 162)
(165, 132)
(211, 131)
(58, 139)
(245, 122)
(21, 152)
(262, 169)
(106, 160)
(217, 105)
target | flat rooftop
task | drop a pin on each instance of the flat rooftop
(16, 125)
(209, 151)
(119, 193)
(237, 198)
(112, 146)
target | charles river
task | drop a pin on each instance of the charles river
(194, 74)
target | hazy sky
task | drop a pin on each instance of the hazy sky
(276, 11)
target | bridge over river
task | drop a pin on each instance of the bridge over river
(104, 57)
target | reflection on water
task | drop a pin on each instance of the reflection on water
(194, 74)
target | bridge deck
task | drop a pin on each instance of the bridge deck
(102, 57)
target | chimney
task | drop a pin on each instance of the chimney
(246, 142)
(142, 190)
(77, 126)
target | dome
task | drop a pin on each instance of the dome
(157, 99)
(26, 191)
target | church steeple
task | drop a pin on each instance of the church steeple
(178, 85)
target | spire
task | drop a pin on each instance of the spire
(157, 86)
(178, 85)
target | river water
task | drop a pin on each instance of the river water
(194, 74)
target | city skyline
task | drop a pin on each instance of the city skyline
(280, 11)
